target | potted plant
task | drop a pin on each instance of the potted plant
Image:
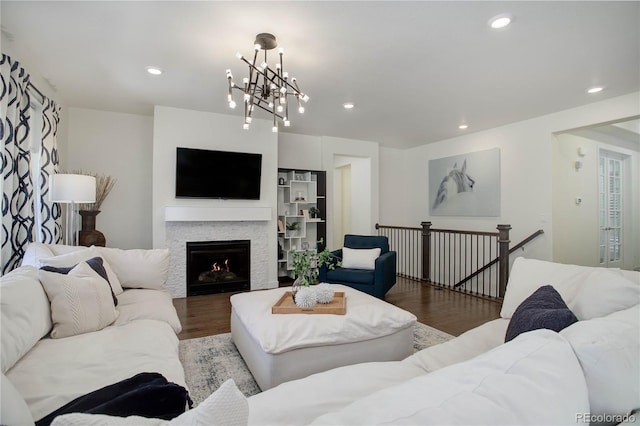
(306, 264)
(314, 212)
(292, 227)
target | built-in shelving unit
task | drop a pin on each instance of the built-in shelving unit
(299, 193)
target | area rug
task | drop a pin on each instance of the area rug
(209, 361)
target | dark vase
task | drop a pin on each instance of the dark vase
(88, 235)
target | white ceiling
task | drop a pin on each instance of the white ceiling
(415, 70)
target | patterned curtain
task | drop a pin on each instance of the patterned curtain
(50, 226)
(21, 199)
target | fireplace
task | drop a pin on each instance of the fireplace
(218, 266)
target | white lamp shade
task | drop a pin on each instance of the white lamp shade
(66, 188)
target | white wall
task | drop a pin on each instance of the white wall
(299, 152)
(175, 127)
(119, 145)
(526, 172)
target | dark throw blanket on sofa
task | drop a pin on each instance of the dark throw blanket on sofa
(145, 395)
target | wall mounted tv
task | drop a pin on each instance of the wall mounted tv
(202, 173)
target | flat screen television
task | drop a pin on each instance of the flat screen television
(202, 173)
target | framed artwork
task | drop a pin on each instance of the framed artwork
(465, 185)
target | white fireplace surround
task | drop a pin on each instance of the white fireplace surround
(186, 224)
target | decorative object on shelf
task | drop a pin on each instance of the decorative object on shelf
(305, 245)
(266, 88)
(314, 212)
(280, 226)
(306, 297)
(71, 189)
(300, 196)
(292, 227)
(305, 266)
(88, 234)
(300, 177)
(281, 181)
(280, 251)
(324, 293)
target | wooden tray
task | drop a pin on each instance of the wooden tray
(285, 305)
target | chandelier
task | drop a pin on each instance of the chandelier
(266, 88)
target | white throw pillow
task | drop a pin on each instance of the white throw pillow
(81, 301)
(138, 268)
(608, 349)
(534, 379)
(71, 259)
(360, 258)
(25, 314)
(227, 406)
(13, 407)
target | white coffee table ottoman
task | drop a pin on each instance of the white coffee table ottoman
(282, 347)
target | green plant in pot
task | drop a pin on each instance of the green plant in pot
(314, 212)
(292, 227)
(306, 266)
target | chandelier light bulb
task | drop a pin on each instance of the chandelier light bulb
(283, 100)
(273, 86)
(270, 104)
(283, 90)
(245, 126)
(239, 55)
(287, 123)
(285, 75)
(247, 97)
(264, 65)
(301, 110)
(279, 108)
(257, 47)
(281, 51)
(274, 129)
(232, 104)
(245, 80)
(248, 120)
(278, 66)
(305, 98)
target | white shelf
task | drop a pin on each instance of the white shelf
(216, 214)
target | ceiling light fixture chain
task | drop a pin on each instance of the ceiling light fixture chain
(266, 88)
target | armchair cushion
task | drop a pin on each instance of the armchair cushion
(346, 275)
(367, 242)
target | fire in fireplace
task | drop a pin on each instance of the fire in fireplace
(218, 266)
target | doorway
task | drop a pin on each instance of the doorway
(596, 195)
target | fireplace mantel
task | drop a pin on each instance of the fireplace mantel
(216, 214)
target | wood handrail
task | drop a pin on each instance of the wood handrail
(494, 261)
(378, 226)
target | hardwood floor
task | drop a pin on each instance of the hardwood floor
(445, 310)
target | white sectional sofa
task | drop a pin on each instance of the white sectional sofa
(589, 372)
(41, 373)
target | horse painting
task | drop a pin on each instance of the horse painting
(455, 182)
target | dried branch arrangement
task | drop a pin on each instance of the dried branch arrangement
(104, 185)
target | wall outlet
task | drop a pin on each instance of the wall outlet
(578, 201)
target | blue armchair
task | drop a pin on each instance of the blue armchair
(376, 282)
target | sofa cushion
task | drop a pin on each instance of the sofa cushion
(71, 259)
(543, 309)
(527, 275)
(138, 268)
(360, 258)
(534, 379)
(81, 301)
(25, 314)
(608, 349)
(603, 292)
(34, 252)
(358, 276)
(13, 408)
(141, 303)
(95, 263)
(57, 371)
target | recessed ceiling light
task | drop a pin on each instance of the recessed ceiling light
(154, 70)
(500, 21)
(463, 126)
(595, 89)
(348, 105)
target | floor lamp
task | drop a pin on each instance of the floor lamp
(71, 189)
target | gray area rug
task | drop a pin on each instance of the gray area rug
(209, 361)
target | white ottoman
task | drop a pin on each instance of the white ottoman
(282, 347)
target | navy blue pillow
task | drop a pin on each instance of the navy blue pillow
(95, 263)
(543, 309)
